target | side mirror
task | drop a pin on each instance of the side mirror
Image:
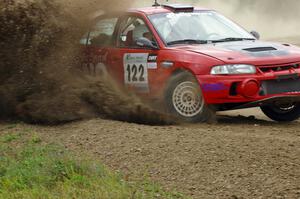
(255, 34)
(145, 43)
(123, 38)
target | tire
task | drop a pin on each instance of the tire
(282, 113)
(185, 101)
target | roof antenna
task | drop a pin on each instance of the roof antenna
(156, 4)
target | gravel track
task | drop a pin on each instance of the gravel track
(238, 157)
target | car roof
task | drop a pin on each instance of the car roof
(159, 9)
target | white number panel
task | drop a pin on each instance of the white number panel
(136, 70)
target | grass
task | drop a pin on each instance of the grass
(31, 169)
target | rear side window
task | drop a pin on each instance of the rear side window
(101, 34)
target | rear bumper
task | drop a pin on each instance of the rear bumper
(227, 89)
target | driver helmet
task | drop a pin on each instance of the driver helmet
(139, 31)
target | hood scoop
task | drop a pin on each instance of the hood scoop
(260, 49)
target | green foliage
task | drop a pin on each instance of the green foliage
(34, 170)
(9, 138)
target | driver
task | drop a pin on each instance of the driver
(149, 36)
(142, 31)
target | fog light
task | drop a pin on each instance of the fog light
(248, 88)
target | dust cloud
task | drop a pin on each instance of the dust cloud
(40, 75)
(272, 18)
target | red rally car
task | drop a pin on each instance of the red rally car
(196, 61)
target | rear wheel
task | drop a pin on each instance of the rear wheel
(185, 100)
(282, 112)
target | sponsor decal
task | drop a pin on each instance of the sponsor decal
(152, 61)
(95, 65)
(102, 58)
(214, 87)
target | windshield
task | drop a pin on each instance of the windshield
(197, 26)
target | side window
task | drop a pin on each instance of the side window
(101, 34)
(132, 29)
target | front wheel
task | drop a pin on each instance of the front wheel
(282, 112)
(185, 101)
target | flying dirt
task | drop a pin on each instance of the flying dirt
(40, 76)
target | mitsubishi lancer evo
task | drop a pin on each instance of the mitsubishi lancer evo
(195, 61)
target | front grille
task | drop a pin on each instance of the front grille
(279, 68)
(272, 87)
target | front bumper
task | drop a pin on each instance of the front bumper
(226, 89)
(277, 99)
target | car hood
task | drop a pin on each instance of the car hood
(248, 52)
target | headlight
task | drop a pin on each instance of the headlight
(233, 69)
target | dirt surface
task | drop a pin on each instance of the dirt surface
(239, 157)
